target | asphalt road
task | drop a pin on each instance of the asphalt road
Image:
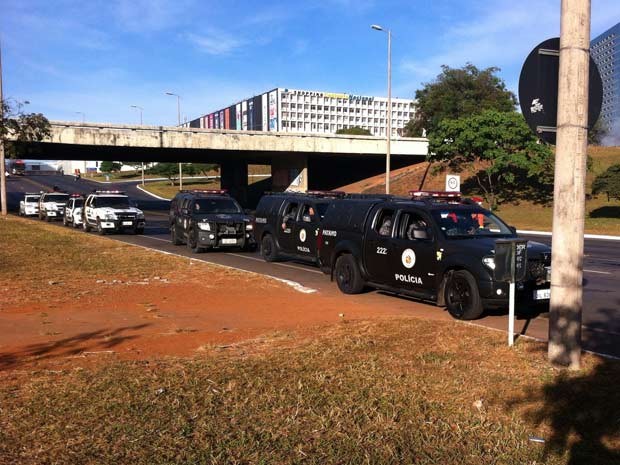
(601, 314)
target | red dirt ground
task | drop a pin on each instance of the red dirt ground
(130, 321)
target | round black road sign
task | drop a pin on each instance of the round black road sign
(538, 90)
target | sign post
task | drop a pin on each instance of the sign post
(511, 267)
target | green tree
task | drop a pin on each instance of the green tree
(107, 166)
(205, 168)
(597, 133)
(500, 149)
(457, 93)
(354, 131)
(167, 170)
(608, 182)
(17, 126)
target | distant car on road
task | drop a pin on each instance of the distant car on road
(432, 246)
(29, 205)
(111, 211)
(73, 211)
(287, 223)
(52, 205)
(209, 219)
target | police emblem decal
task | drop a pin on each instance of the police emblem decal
(302, 235)
(408, 258)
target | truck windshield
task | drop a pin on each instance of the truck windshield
(78, 203)
(467, 223)
(112, 202)
(206, 206)
(58, 198)
(32, 198)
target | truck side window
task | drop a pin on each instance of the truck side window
(383, 225)
(290, 212)
(308, 215)
(412, 227)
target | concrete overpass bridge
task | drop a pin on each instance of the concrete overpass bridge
(298, 161)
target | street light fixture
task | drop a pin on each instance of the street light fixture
(140, 109)
(179, 124)
(83, 115)
(376, 27)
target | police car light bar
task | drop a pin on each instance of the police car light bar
(435, 195)
(76, 195)
(110, 192)
(208, 191)
(327, 193)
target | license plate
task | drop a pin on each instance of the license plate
(229, 241)
(127, 223)
(51, 213)
(542, 294)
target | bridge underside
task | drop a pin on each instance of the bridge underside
(292, 170)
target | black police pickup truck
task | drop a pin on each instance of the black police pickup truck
(209, 219)
(287, 223)
(434, 248)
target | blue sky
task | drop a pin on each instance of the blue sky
(100, 57)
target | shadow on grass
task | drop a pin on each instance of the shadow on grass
(103, 339)
(606, 212)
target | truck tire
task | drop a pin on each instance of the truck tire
(100, 229)
(348, 275)
(138, 231)
(462, 296)
(192, 242)
(268, 249)
(173, 236)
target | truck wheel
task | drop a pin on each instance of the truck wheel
(268, 249)
(173, 236)
(192, 242)
(348, 275)
(138, 231)
(462, 296)
(100, 229)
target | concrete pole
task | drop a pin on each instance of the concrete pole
(389, 115)
(2, 165)
(569, 187)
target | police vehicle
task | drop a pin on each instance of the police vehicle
(29, 205)
(73, 211)
(209, 219)
(52, 205)
(287, 223)
(111, 211)
(432, 246)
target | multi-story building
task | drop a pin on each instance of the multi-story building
(305, 111)
(605, 51)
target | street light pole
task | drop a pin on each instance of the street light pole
(140, 109)
(2, 165)
(83, 115)
(389, 108)
(179, 125)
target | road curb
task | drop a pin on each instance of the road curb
(151, 194)
(587, 236)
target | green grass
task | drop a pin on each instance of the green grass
(396, 392)
(167, 190)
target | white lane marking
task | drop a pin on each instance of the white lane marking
(157, 239)
(294, 284)
(594, 257)
(587, 236)
(279, 264)
(598, 272)
(151, 194)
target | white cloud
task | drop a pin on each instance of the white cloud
(150, 15)
(215, 43)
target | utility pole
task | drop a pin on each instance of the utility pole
(569, 186)
(2, 165)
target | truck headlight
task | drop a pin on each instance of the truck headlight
(204, 226)
(140, 216)
(489, 262)
(110, 216)
(249, 227)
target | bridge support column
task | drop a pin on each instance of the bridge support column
(290, 173)
(234, 178)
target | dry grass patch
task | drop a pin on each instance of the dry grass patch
(403, 391)
(41, 262)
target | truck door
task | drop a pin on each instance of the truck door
(377, 246)
(306, 231)
(286, 227)
(413, 263)
(89, 211)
